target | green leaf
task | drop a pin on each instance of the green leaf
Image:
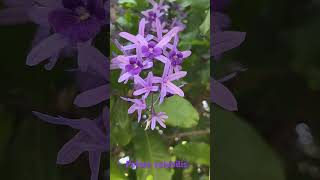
(240, 153)
(150, 148)
(205, 26)
(180, 111)
(121, 132)
(193, 152)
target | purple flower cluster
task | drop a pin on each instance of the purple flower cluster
(221, 42)
(75, 24)
(152, 44)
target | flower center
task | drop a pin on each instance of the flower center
(82, 13)
(152, 16)
(150, 49)
(176, 58)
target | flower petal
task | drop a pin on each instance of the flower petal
(186, 54)
(41, 33)
(177, 75)
(71, 151)
(227, 40)
(173, 89)
(142, 25)
(62, 19)
(129, 37)
(90, 57)
(39, 15)
(83, 31)
(52, 62)
(46, 49)
(86, 125)
(139, 92)
(124, 77)
(93, 96)
(94, 161)
(163, 93)
(159, 29)
(221, 96)
(132, 109)
(167, 38)
(140, 81)
(160, 121)
(153, 123)
(163, 59)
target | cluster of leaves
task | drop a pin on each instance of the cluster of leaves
(187, 135)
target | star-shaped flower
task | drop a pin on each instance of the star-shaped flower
(138, 105)
(166, 82)
(158, 118)
(146, 86)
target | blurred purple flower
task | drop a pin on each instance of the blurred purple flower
(222, 96)
(99, 66)
(92, 137)
(74, 23)
(155, 12)
(225, 41)
(78, 20)
(222, 42)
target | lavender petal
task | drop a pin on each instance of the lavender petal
(227, 40)
(94, 161)
(221, 96)
(90, 57)
(46, 49)
(92, 97)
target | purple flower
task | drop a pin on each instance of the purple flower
(155, 12)
(78, 20)
(158, 118)
(92, 137)
(74, 25)
(176, 58)
(166, 85)
(130, 65)
(150, 51)
(138, 105)
(146, 86)
(151, 16)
